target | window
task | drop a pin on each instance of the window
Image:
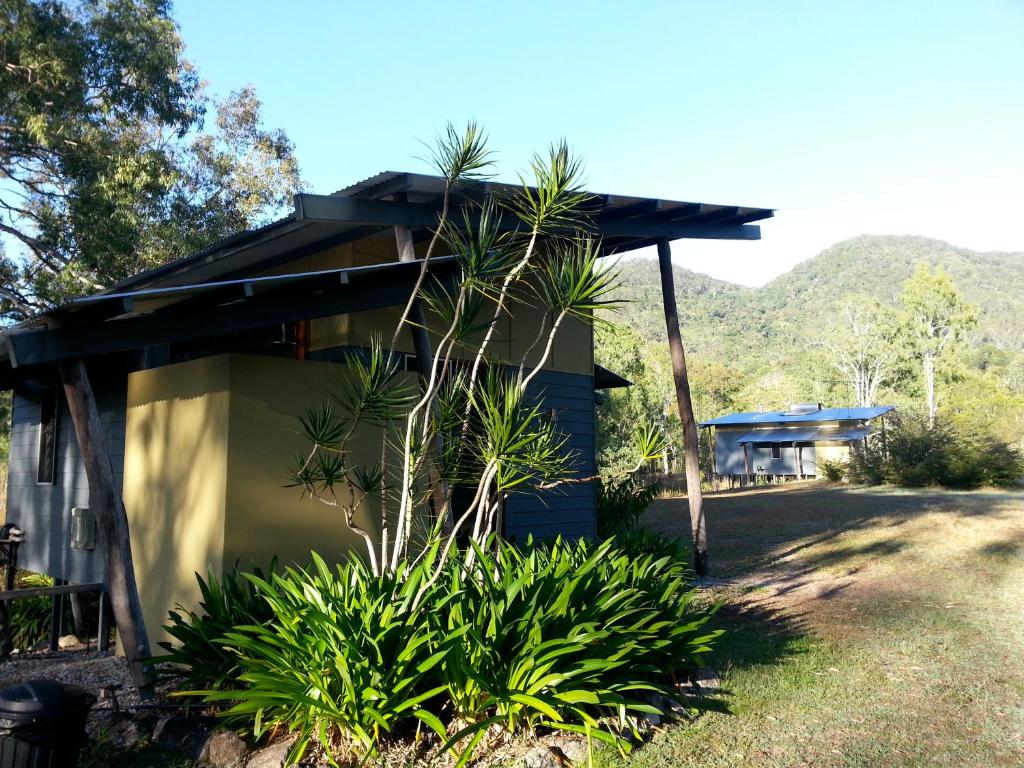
(776, 451)
(46, 464)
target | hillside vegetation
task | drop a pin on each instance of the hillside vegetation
(761, 348)
(720, 318)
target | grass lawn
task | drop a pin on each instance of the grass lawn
(867, 627)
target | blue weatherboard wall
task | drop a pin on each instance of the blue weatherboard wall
(44, 511)
(570, 510)
(729, 456)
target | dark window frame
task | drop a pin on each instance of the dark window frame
(46, 449)
(776, 451)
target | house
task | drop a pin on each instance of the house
(201, 367)
(788, 444)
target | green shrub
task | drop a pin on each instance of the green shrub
(620, 503)
(30, 617)
(563, 635)
(916, 454)
(833, 470)
(556, 636)
(344, 658)
(226, 603)
(643, 541)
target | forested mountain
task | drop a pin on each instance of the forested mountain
(721, 318)
(762, 348)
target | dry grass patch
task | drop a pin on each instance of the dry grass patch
(869, 627)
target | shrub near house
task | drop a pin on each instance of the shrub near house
(571, 637)
(918, 455)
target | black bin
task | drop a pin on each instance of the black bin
(42, 724)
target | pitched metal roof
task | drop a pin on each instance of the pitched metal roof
(781, 417)
(413, 199)
(802, 435)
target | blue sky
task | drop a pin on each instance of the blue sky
(848, 117)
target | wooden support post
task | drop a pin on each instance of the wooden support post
(111, 521)
(799, 462)
(691, 445)
(78, 616)
(10, 550)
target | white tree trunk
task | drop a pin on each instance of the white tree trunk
(928, 366)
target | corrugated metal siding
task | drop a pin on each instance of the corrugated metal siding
(44, 511)
(570, 510)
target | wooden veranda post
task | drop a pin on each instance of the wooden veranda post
(111, 520)
(691, 445)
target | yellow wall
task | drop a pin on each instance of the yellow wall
(208, 447)
(831, 451)
(573, 350)
(175, 481)
(264, 518)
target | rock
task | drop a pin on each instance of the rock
(573, 750)
(270, 757)
(540, 757)
(123, 732)
(184, 735)
(706, 680)
(68, 641)
(652, 719)
(223, 749)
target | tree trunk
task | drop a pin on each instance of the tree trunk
(694, 496)
(111, 520)
(928, 364)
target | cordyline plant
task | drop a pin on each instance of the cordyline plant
(473, 422)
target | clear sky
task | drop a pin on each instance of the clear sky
(889, 117)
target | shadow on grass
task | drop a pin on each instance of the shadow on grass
(751, 529)
(1007, 549)
(756, 635)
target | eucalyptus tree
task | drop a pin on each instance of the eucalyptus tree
(863, 345)
(474, 416)
(936, 318)
(113, 159)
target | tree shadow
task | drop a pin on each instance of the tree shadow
(789, 543)
(754, 529)
(757, 634)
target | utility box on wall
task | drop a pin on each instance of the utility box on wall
(83, 529)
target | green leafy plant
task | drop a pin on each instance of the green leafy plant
(30, 616)
(918, 454)
(227, 602)
(345, 659)
(833, 470)
(643, 541)
(620, 503)
(567, 636)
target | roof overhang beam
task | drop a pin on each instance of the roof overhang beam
(385, 213)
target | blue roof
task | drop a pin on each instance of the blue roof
(782, 417)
